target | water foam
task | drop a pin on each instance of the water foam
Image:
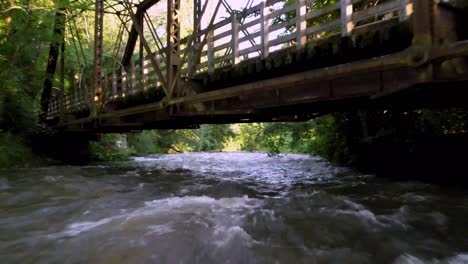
(80, 227)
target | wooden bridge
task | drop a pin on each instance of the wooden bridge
(269, 62)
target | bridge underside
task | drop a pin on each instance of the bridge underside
(381, 66)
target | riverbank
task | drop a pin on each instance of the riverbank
(16, 152)
(418, 145)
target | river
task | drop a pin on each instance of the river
(226, 208)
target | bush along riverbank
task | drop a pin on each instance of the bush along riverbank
(421, 144)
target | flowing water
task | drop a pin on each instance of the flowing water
(226, 208)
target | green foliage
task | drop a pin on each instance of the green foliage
(249, 137)
(111, 147)
(17, 113)
(14, 151)
(207, 138)
(150, 142)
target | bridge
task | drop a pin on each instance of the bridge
(266, 62)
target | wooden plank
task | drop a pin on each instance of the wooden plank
(374, 25)
(250, 50)
(211, 67)
(282, 40)
(282, 11)
(222, 35)
(381, 9)
(250, 24)
(323, 11)
(216, 26)
(226, 57)
(323, 27)
(250, 37)
(282, 25)
(222, 46)
(202, 65)
(272, 2)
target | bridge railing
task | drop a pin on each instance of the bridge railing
(265, 28)
(255, 32)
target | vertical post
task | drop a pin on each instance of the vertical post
(134, 79)
(62, 66)
(79, 90)
(98, 35)
(301, 23)
(144, 72)
(158, 61)
(265, 28)
(74, 89)
(173, 43)
(347, 24)
(107, 84)
(210, 44)
(124, 81)
(114, 84)
(235, 39)
(405, 10)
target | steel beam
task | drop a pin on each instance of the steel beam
(173, 43)
(133, 36)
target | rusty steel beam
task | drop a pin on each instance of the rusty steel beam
(173, 43)
(133, 36)
(145, 44)
(197, 14)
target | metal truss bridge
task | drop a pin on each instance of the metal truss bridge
(265, 62)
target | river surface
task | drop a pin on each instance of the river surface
(226, 208)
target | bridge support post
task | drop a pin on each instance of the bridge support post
(173, 43)
(211, 66)
(347, 24)
(197, 14)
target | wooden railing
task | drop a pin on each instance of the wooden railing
(253, 33)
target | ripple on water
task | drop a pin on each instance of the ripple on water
(226, 208)
(410, 259)
(4, 184)
(221, 217)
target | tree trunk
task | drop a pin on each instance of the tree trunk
(59, 30)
